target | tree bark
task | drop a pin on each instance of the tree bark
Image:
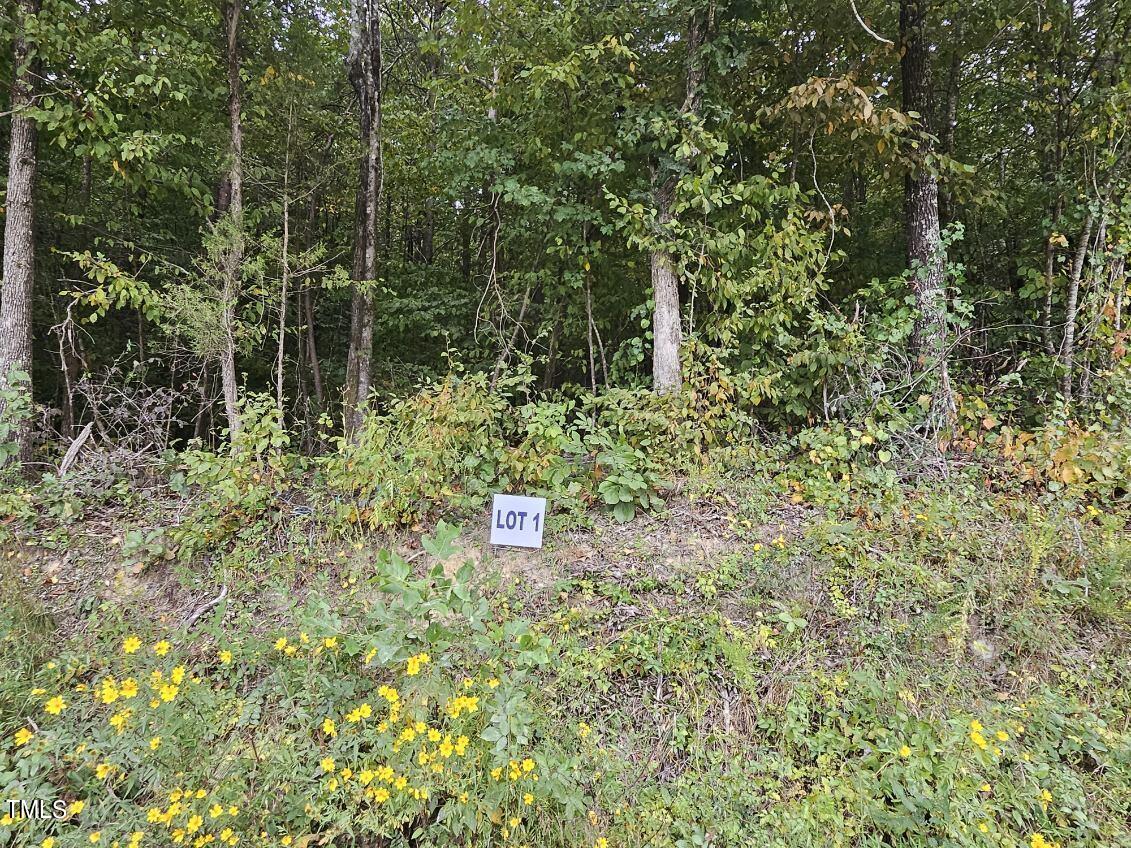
(234, 252)
(667, 332)
(312, 348)
(1068, 345)
(19, 226)
(924, 247)
(364, 63)
(667, 375)
(1050, 280)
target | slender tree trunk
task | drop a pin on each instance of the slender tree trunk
(509, 345)
(1068, 345)
(667, 332)
(552, 354)
(924, 248)
(312, 349)
(234, 251)
(1050, 279)
(284, 272)
(1119, 283)
(19, 226)
(365, 75)
(1101, 298)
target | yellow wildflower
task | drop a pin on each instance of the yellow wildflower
(161, 648)
(131, 644)
(55, 706)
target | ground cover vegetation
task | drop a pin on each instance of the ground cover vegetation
(808, 319)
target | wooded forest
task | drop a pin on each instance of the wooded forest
(834, 204)
(802, 326)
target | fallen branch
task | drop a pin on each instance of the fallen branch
(203, 608)
(73, 451)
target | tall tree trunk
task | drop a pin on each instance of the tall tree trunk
(284, 271)
(364, 63)
(667, 333)
(924, 251)
(1050, 280)
(19, 225)
(1068, 345)
(235, 250)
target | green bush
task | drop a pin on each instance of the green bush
(240, 491)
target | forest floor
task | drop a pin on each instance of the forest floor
(938, 662)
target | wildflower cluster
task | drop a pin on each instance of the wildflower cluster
(175, 744)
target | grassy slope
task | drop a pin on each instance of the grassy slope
(933, 666)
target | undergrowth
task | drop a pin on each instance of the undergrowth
(824, 639)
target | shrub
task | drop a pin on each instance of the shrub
(241, 489)
(440, 445)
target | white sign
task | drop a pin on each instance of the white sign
(518, 521)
